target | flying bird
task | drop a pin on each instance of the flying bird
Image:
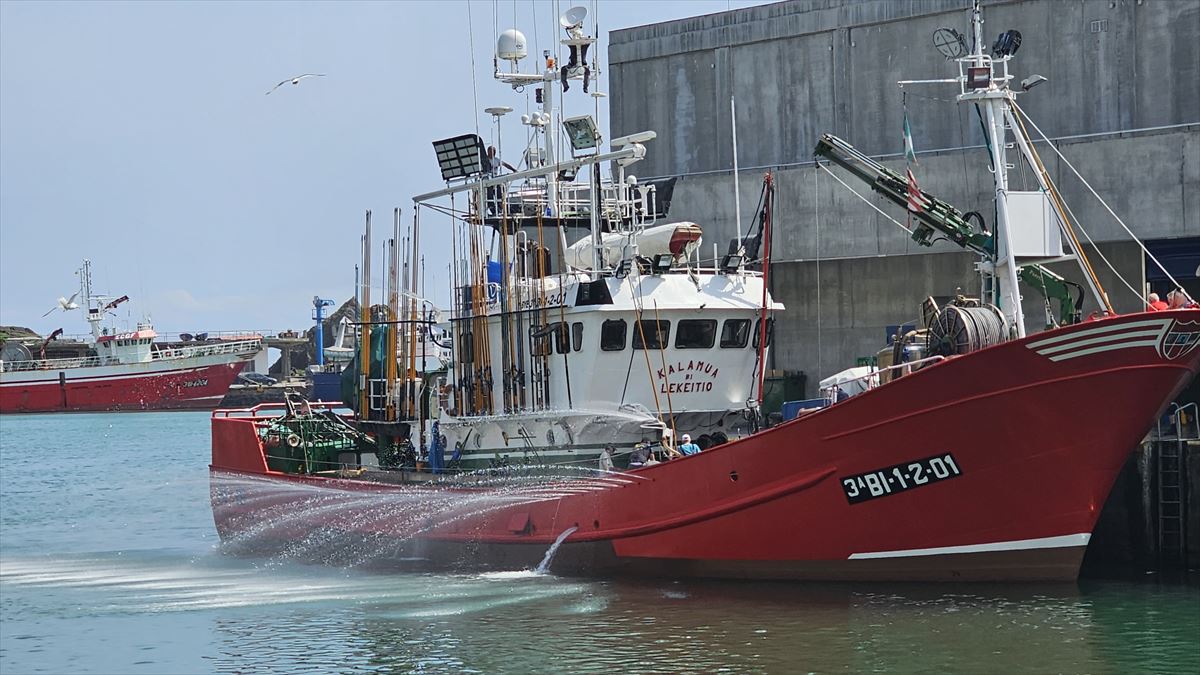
(64, 304)
(295, 80)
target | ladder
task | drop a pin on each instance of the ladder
(1172, 494)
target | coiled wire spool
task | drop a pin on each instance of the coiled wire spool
(960, 330)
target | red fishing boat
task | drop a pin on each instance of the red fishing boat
(127, 370)
(986, 455)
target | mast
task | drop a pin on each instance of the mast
(994, 97)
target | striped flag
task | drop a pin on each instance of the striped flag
(916, 201)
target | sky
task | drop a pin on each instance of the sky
(139, 135)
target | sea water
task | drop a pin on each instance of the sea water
(109, 563)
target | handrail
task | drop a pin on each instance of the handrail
(173, 354)
(1179, 428)
(878, 370)
(274, 405)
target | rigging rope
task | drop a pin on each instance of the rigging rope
(864, 199)
(1099, 198)
(474, 91)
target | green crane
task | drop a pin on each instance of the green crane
(942, 218)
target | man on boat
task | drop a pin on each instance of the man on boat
(687, 447)
(1154, 304)
(1178, 299)
(495, 167)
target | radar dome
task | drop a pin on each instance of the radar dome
(511, 45)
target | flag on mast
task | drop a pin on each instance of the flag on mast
(916, 201)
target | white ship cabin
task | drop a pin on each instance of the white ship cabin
(129, 347)
(647, 343)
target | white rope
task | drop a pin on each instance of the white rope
(474, 92)
(1096, 248)
(1099, 198)
(817, 219)
(865, 200)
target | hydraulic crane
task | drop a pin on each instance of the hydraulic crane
(942, 218)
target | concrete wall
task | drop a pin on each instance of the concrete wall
(806, 67)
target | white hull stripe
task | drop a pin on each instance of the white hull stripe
(1064, 541)
(1115, 337)
(1133, 334)
(1132, 325)
(1106, 348)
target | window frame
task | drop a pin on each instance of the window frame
(739, 344)
(658, 330)
(712, 333)
(604, 333)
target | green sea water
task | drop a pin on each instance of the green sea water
(109, 563)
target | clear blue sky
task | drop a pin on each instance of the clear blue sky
(138, 135)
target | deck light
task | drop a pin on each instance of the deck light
(582, 132)
(460, 157)
(731, 263)
(662, 263)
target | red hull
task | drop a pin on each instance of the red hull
(1037, 430)
(81, 389)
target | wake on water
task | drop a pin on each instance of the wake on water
(359, 527)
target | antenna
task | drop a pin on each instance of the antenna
(573, 18)
(949, 43)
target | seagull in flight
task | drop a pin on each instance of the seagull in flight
(64, 304)
(295, 80)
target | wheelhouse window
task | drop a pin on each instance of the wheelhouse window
(562, 338)
(735, 334)
(612, 335)
(577, 336)
(652, 334)
(695, 333)
(758, 331)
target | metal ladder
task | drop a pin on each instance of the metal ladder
(1172, 497)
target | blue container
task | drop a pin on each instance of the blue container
(791, 409)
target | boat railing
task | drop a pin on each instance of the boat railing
(174, 353)
(209, 349)
(272, 408)
(875, 373)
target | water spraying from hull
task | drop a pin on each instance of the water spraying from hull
(544, 566)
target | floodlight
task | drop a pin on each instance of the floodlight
(1032, 81)
(460, 157)
(567, 175)
(731, 263)
(1007, 44)
(582, 132)
(623, 268)
(661, 264)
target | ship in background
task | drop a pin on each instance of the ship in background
(128, 370)
(971, 462)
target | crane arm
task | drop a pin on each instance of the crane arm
(937, 217)
(941, 217)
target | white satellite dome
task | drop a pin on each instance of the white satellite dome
(510, 46)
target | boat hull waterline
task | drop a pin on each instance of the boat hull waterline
(183, 384)
(989, 466)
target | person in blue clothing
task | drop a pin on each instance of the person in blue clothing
(687, 447)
